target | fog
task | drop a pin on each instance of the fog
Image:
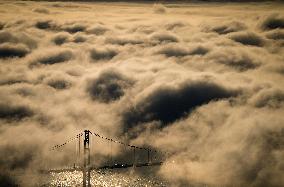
(200, 81)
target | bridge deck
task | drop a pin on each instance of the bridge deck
(115, 166)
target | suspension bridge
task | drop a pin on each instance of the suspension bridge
(84, 158)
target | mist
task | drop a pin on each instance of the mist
(200, 81)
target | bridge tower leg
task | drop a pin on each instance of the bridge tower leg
(86, 167)
(134, 157)
(149, 156)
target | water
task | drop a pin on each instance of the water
(107, 178)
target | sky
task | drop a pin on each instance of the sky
(203, 83)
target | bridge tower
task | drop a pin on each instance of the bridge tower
(86, 166)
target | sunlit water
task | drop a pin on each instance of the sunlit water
(106, 178)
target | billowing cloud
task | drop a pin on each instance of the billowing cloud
(59, 82)
(273, 98)
(2, 25)
(271, 22)
(52, 56)
(41, 10)
(276, 35)
(180, 50)
(174, 25)
(74, 27)
(163, 37)
(247, 38)
(159, 9)
(226, 28)
(61, 38)
(45, 24)
(10, 112)
(79, 38)
(98, 29)
(17, 38)
(200, 82)
(103, 53)
(236, 58)
(124, 40)
(168, 104)
(109, 86)
(8, 50)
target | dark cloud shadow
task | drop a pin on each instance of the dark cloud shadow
(226, 28)
(235, 58)
(167, 104)
(10, 80)
(7, 181)
(276, 34)
(79, 39)
(163, 37)
(174, 25)
(2, 25)
(247, 38)
(41, 10)
(97, 30)
(52, 57)
(181, 51)
(109, 86)
(46, 25)
(16, 38)
(14, 112)
(272, 98)
(124, 40)
(98, 54)
(10, 51)
(59, 84)
(17, 159)
(60, 38)
(273, 21)
(73, 28)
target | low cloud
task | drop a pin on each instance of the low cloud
(41, 10)
(236, 58)
(174, 25)
(98, 54)
(2, 25)
(52, 56)
(273, 98)
(163, 37)
(247, 38)
(275, 35)
(46, 25)
(61, 38)
(97, 29)
(74, 27)
(175, 50)
(201, 82)
(132, 40)
(108, 86)
(273, 21)
(14, 112)
(79, 38)
(169, 104)
(228, 27)
(17, 38)
(159, 9)
(10, 51)
(58, 82)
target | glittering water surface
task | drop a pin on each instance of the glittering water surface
(106, 178)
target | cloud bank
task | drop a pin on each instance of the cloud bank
(203, 83)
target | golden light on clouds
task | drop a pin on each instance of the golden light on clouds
(201, 81)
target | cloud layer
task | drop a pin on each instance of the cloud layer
(203, 83)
